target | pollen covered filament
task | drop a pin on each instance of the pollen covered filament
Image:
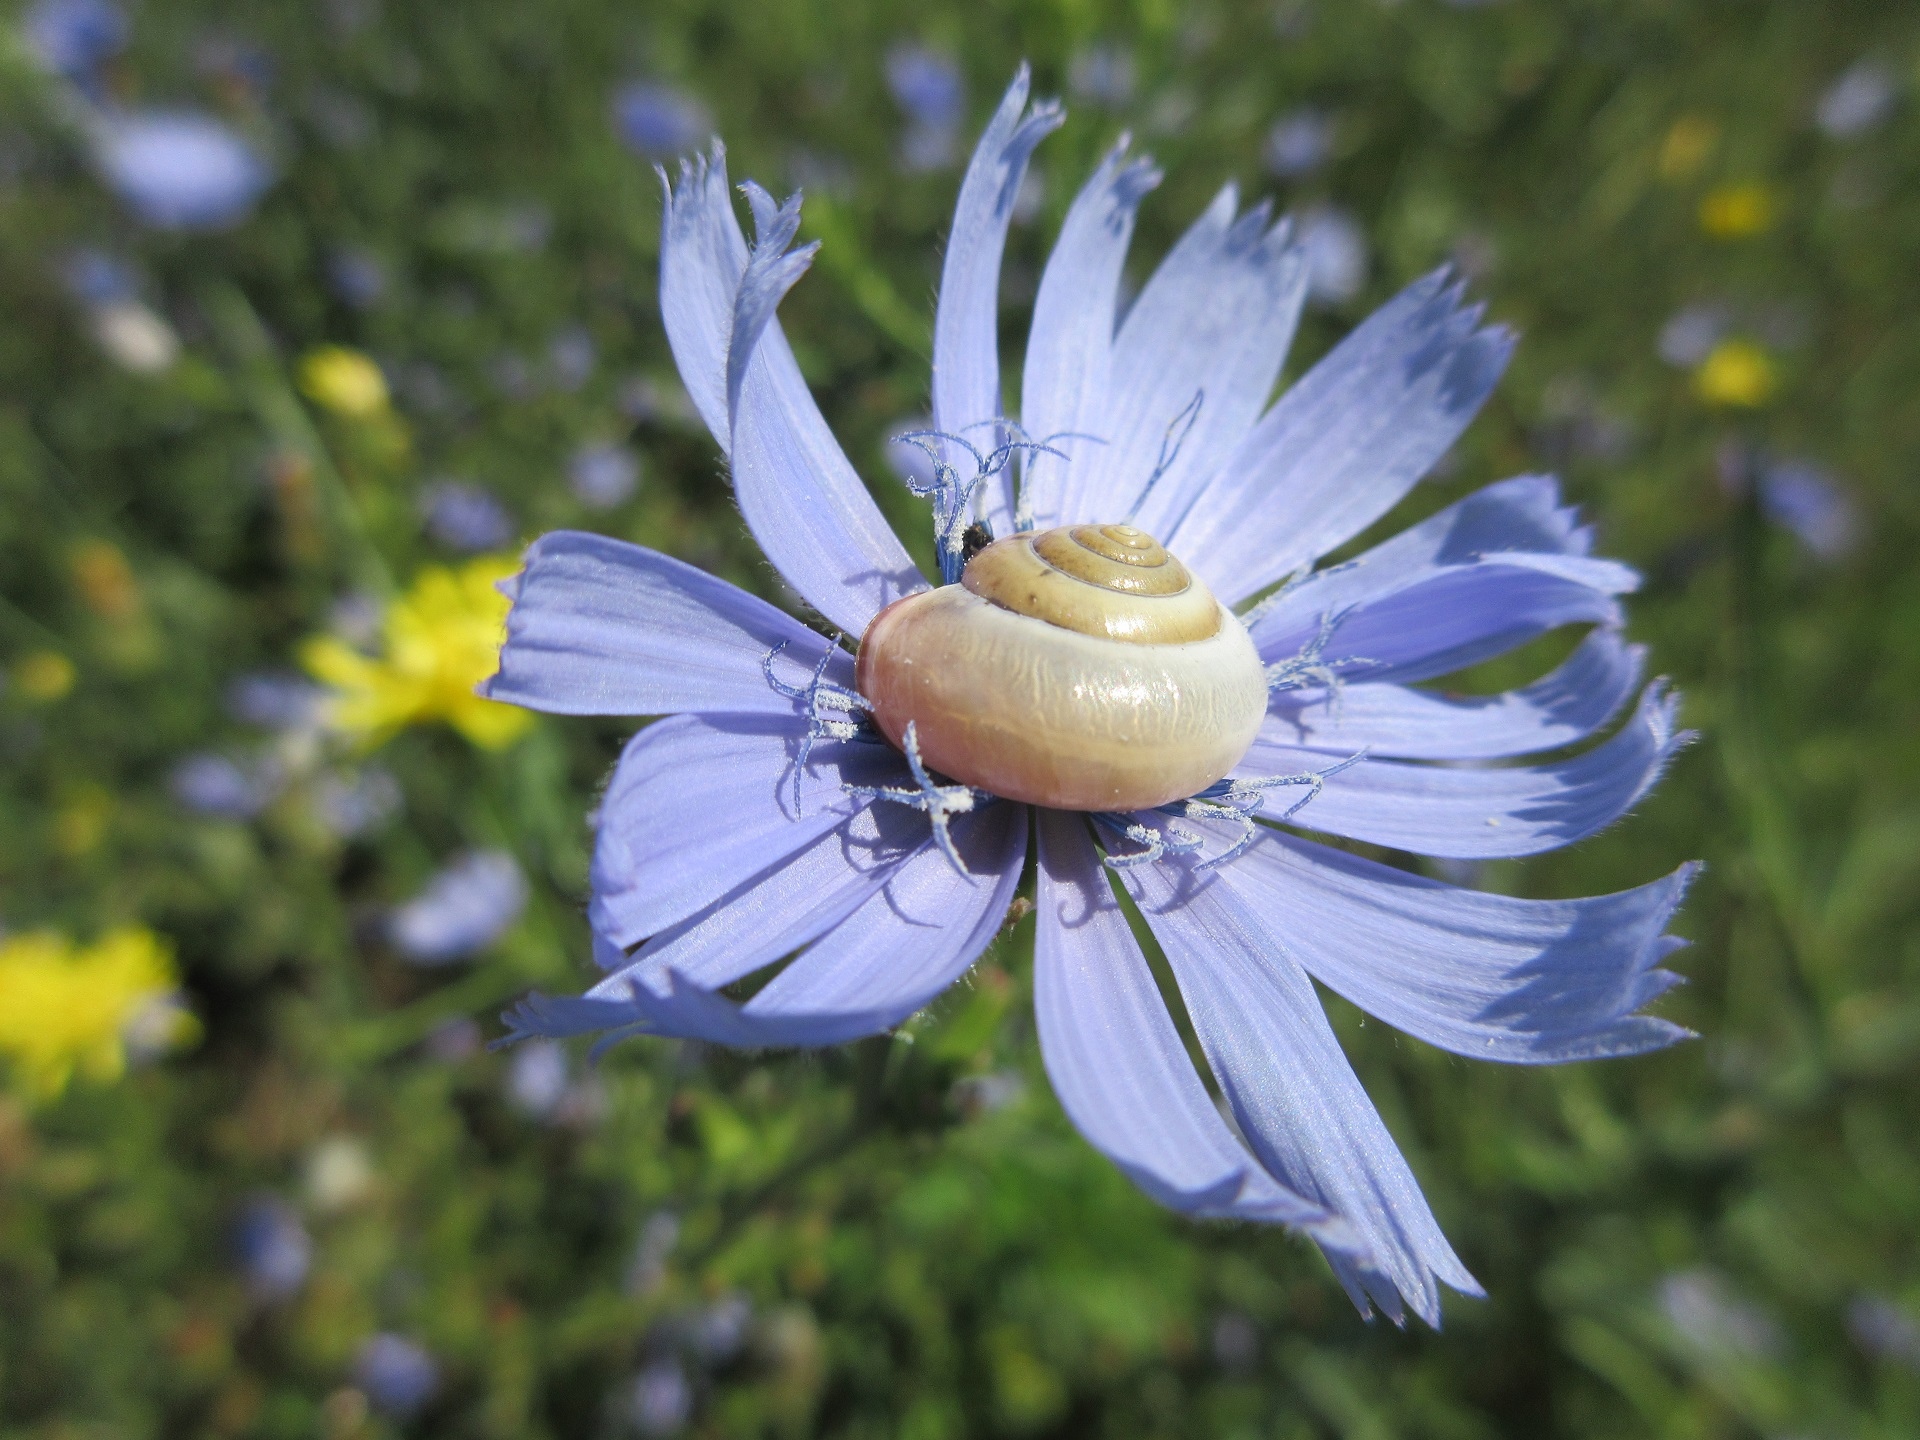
(1080, 668)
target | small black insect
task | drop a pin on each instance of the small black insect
(977, 537)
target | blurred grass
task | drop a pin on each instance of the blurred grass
(919, 1264)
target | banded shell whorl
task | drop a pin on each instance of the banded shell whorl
(1108, 580)
(1082, 668)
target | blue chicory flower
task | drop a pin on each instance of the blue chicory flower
(273, 1248)
(74, 38)
(358, 277)
(1710, 1319)
(397, 1375)
(274, 699)
(718, 1332)
(1102, 74)
(94, 277)
(662, 1398)
(1884, 1329)
(355, 803)
(1690, 334)
(1859, 101)
(603, 477)
(659, 120)
(180, 169)
(747, 826)
(537, 1078)
(211, 784)
(1803, 499)
(571, 356)
(1299, 143)
(464, 908)
(464, 517)
(1335, 250)
(928, 86)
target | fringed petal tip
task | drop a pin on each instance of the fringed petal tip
(538, 1016)
(694, 169)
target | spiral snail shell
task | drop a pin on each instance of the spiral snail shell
(1082, 668)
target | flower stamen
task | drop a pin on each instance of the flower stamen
(938, 802)
(817, 697)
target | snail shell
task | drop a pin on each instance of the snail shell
(1082, 668)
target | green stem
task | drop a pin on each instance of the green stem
(263, 380)
(846, 259)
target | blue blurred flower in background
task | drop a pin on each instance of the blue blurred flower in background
(274, 699)
(353, 804)
(603, 476)
(660, 121)
(398, 1375)
(571, 356)
(465, 517)
(1692, 332)
(928, 86)
(1802, 498)
(718, 1332)
(273, 1248)
(1859, 101)
(1335, 248)
(1884, 1330)
(1103, 74)
(1710, 1319)
(211, 784)
(1299, 143)
(74, 38)
(93, 277)
(766, 817)
(180, 169)
(357, 277)
(537, 1078)
(662, 1398)
(464, 908)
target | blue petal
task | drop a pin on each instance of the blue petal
(805, 505)
(1560, 709)
(908, 941)
(1532, 982)
(1443, 619)
(1063, 396)
(1291, 1089)
(1341, 447)
(601, 627)
(966, 343)
(1475, 814)
(1195, 364)
(702, 257)
(772, 913)
(1523, 514)
(1117, 1063)
(698, 806)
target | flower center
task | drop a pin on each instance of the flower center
(1082, 668)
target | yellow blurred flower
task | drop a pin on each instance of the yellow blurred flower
(1688, 144)
(1733, 212)
(44, 675)
(105, 580)
(1736, 372)
(65, 1007)
(344, 381)
(439, 640)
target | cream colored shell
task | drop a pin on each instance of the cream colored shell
(1096, 713)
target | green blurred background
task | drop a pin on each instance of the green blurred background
(1704, 220)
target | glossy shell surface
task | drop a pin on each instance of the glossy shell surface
(1080, 669)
